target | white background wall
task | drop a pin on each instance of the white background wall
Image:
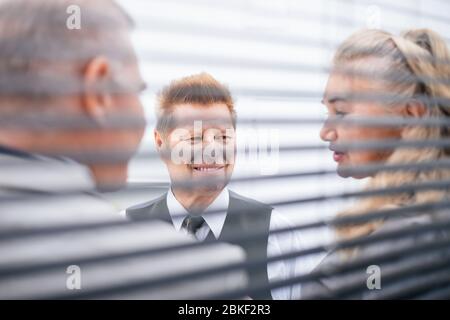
(175, 38)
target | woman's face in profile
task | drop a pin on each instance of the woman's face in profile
(340, 88)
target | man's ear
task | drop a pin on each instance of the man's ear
(161, 147)
(158, 140)
(415, 108)
(97, 99)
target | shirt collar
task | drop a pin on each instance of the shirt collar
(15, 153)
(215, 221)
(34, 172)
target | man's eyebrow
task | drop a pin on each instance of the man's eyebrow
(334, 99)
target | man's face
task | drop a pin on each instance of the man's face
(108, 146)
(199, 150)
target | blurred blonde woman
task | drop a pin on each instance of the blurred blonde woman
(379, 75)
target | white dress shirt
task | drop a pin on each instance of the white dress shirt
(280, 243)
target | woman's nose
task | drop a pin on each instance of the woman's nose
(328, 133)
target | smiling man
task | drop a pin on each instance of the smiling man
(195, 136)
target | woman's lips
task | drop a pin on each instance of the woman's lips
(338, 156)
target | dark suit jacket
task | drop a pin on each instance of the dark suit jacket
(403, 272)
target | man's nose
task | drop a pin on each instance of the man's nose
(208, 139)
(328, 133)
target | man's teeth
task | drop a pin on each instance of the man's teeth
(206, 169)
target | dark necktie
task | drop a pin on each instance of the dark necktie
(192, 223)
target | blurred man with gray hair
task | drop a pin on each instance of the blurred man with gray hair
(71, 119)
(72, 85)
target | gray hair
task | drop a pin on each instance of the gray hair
(36, 46)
